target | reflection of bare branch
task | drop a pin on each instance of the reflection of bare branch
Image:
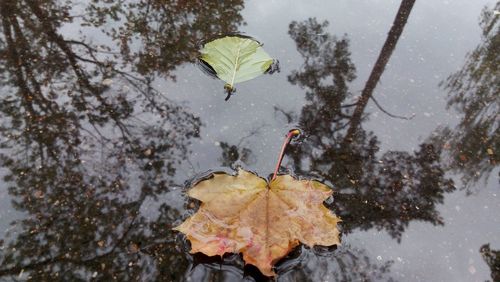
(290, 116)
(252, 132)
(389, 114)
(349, 105)
(88, 47)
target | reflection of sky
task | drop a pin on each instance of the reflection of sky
(433, 45)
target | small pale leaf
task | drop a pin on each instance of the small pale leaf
(236, 59)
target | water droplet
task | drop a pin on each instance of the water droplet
(107, 82)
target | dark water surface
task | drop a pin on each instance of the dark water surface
(106, 119)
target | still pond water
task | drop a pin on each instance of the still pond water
(106, 120)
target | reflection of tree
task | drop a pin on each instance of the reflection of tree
(168, 32)
(325, 74)
(385, 192)
(492, 258)
(83, 165)
(474, 145)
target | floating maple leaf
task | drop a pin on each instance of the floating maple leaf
(263, 221)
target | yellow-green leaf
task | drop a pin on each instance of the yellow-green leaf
(236, 59)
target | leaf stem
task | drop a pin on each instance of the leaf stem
(291, 133)
(236, 60)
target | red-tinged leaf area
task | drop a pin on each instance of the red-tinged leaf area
(242, 214)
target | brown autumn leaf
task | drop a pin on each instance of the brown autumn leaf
(242, 214)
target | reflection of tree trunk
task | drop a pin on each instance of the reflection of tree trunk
(386, 52)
